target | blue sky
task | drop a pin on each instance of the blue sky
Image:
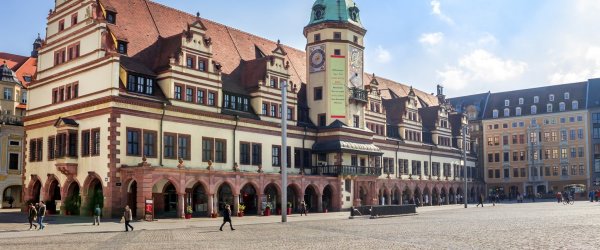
(468, 46)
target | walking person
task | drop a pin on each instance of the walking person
(41, 214)
(227, 217)
(303, 208)
(559, 197)
(97, 213)
(32, 214)
(128, 218)
(480, 200)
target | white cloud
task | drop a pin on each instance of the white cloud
(431, 38)
(383, 55)
(578, 65)
(437, 10)
(480, 66)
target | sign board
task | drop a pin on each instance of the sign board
(149, 210)
(337, 87)
(118, 184)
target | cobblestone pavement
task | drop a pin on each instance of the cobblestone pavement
(543, 225)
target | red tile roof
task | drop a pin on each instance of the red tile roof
(149, 28)
(21, 65)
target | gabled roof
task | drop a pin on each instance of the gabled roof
(21, 65)
(66, 122)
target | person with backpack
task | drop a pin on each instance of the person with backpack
(32, 214)
(227, 217)
(97, 212)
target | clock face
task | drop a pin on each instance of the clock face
(317, 59)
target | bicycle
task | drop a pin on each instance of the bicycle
(568, 200)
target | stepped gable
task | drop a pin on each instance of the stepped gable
(152, 30)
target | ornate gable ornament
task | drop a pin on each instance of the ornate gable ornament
(279, 49)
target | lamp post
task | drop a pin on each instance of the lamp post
(465, 128)
(283, 156)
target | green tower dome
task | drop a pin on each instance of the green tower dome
(335, 11)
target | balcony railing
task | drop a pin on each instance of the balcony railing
(337, 170)
(359, 94)
(11, 120)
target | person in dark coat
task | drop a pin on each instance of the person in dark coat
(227, 217)
(480, 200)
(303, 208)
(41, 215)
(32, 213)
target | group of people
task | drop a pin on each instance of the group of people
(594, 195)
(36, 213)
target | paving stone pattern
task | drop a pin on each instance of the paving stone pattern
(543, 225)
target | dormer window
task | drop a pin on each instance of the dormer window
(549, 108)
(521, 101)
(506, 103)
(551, 98)
(495, 113)
(561, 106)
(575, 105)
(536, 99)
(319, 12)
(506, 112)
(111, 17)
(140, 84)
(122, 47)
(518, 111)
(567, 96)
(533, 109)
(202, 65)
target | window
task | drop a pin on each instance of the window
(506, 157)
(317, 37)
(200, 94)
(318, 93)
(72, 146)
(273, 110)
(244, 153)
(549, 108)
(506, 112)
(190, 61)
(95, 142)
(202, 65)
(276, 155)
(207, 149)
(495, 113)
(561, 106)
(183, 147)
(61, 143)
(189, 94)
(567, 96)
(536, 99)
(322, 120)
(74, 19)
(573, 152)
(8, 93)
(572, 134)
(111, 17)
(35, 149)
(236, 102)
(551, 97)
(575, 105)
(506, 103)
(220, 151)
(290, 114)
(13, 161)
(580, 152)
(211, 98)
(256, 154)
(150, 143)
(178, 90)
(133, 142)
(563, 153)
(356, 121)
(533, 109)
(51, 144)
(169, 145)
(61, 25)
(85, 143)
(580, 133)
(337, 52)
(337, 36)
(122, 47)
(521, 101)
(518, 111)
(73, 51)
(141, 84)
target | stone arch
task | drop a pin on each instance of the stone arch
(407, 195)
(165, 192)
(160, 182)
(272, 191)
(363, 195)
(130, 189)
(53, 193)
(294, 195)
(311, 197)
(383, 195)
(12, 196)
(444, 196)
(224, 195)
(418, 199)
(35, 190)
(250, 194)
(71, 193)
(435, 196)
(198, 198)
(396, 196)
(328, 198)
(93, 194)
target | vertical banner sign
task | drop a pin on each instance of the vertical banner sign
(337, 87)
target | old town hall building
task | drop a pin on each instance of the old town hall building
(135, 102)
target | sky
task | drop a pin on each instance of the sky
(469, 47)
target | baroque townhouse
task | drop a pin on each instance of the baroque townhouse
(16, 72)
(537, 141)
(135, 101)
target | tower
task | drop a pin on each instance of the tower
(335, 63)
(37, 44)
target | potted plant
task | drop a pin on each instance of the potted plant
(214, 215)
(188, 212)
(241, 208)
(289, 208)
(268, 209)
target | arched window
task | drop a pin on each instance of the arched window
(495, 113)
(533, 109)
(518, 111)
(561, 106)
(549, 108)
(575, 105)
(506, 112)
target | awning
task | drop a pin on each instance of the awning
(346, 147)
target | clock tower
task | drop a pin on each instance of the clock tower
(334, 51)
